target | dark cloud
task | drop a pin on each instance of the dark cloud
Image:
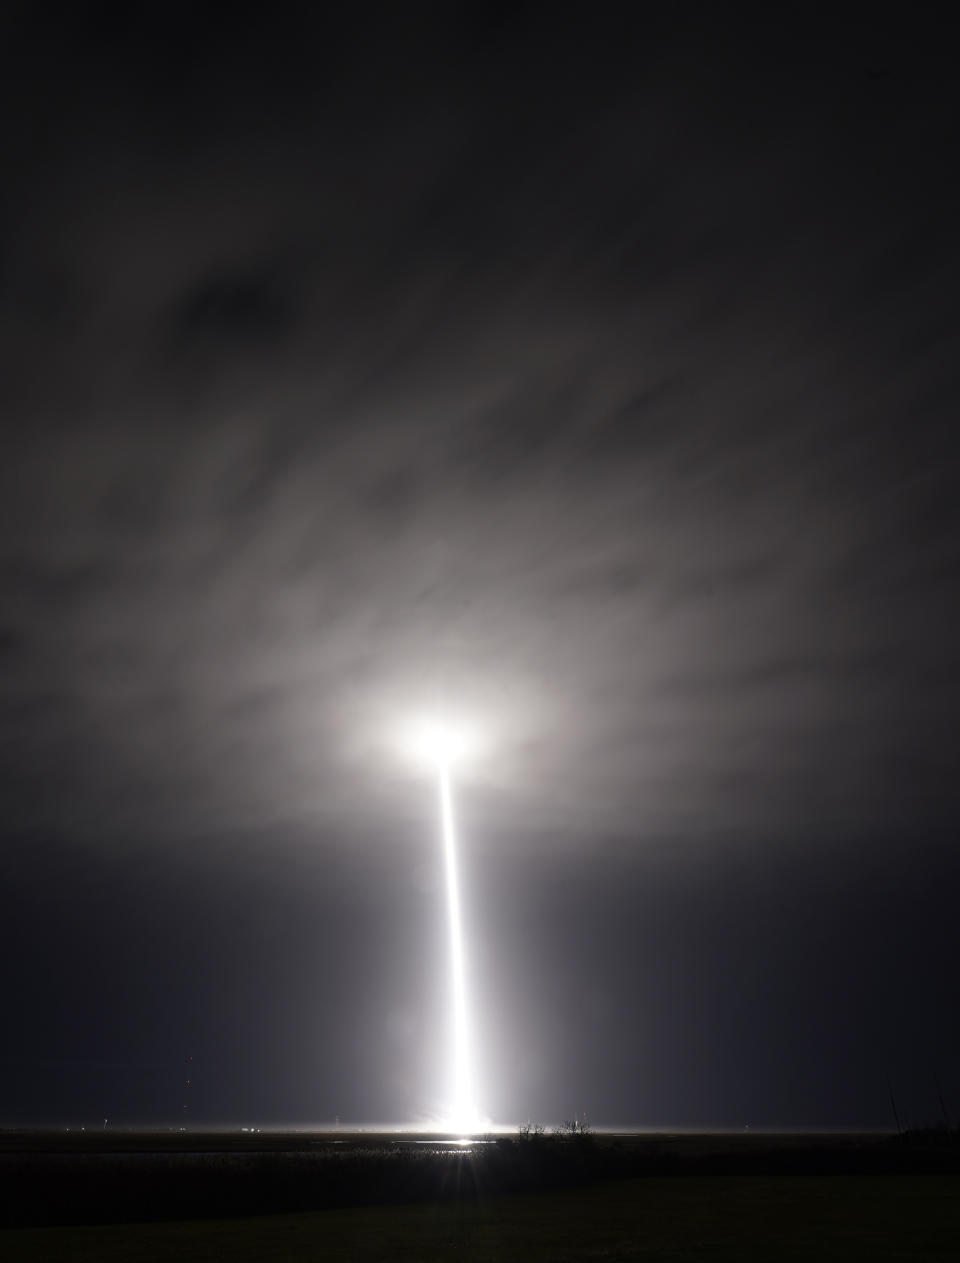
(238, 311)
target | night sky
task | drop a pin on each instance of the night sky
(598, 383)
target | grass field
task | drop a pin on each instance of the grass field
(736, 1218)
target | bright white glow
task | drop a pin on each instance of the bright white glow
(440, 742)
(464, 1115)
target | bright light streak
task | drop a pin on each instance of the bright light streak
(464, 1110)
(441, 743)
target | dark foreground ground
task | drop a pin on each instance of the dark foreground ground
(299, 1197)
(654, 1218)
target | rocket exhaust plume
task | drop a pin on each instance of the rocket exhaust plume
(464, 1115)
(439, 746)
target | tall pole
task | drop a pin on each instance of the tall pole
(463, 1093)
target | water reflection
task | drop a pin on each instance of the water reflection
(465, 1144)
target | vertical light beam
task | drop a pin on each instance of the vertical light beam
(464, 1112)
